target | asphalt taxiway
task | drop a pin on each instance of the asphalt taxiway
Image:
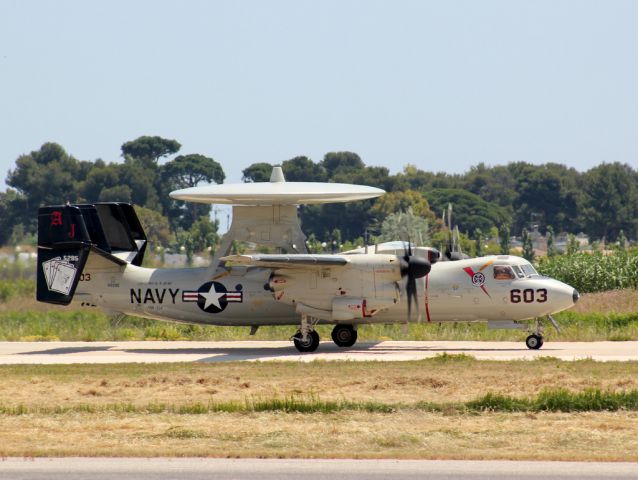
(277, 469)
(187, 351)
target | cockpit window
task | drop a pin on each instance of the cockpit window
(528, 270)
(503, 272)
(519, 272)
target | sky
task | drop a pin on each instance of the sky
(441, 85)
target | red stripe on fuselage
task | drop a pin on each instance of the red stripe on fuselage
(427, 300)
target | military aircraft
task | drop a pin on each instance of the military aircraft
(91, 254)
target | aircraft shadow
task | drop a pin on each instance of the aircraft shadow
(69, 350)
(233, 354)
(220, 354)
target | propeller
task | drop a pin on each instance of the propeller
(413, 267)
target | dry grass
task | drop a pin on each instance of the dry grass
(586, 436)
(612, 301)
(404, 433)
(441, 380)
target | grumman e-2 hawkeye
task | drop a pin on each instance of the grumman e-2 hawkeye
(91, 254)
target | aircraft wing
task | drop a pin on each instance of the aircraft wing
(288, 261)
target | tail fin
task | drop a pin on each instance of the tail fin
(66, 236)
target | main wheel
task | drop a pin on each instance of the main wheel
(534, 342)
(344, 335)
(310, 345)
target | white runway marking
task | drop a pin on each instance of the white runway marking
(183, 351)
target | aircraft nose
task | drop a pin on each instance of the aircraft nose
(575, 295)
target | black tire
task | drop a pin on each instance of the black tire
(309, 346)
(344, 335)
(534, 342)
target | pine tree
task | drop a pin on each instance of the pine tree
(504, 239)
(551, 247)
(528, 247)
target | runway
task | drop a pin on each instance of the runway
(275, 469)
(186, 351)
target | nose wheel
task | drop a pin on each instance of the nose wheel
(309, 344)
(306, 339)
(534, 341)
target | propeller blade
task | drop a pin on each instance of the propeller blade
(410, 290)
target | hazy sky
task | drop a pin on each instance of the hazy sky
(443, 85)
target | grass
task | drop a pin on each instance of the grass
(560, 400)
(445, 380)
(435, 408)
(83, 325)
(590, 436)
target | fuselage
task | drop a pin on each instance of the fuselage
(494, 289)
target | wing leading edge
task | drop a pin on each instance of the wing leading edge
(288, 261)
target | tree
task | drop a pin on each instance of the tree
(204, 234)
(183, 172)
(548, 193)
(102, 176)
(119, 193)
(470, 211)
(373, 176)
(404, 226)
(478, 238)
(492, 184)
(394, 202)
(504, 239)
(551, 246)
(302, 169)
(148, 150)
(142, 182)
(257, 172)
(528, 247)
(12, 207)
(335, 240)
(155, 226)
(189, 170)
(622, 241)
(47, 176)
(572, 244)
(141, 170)
(611, 190)
(334, 162)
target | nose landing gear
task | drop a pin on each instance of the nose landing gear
(534, 341)
(309, 344)
(306, 339)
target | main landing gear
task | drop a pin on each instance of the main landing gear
(307, 339)
(344, 335)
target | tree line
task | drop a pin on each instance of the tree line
(51, 176)
(601, 202)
